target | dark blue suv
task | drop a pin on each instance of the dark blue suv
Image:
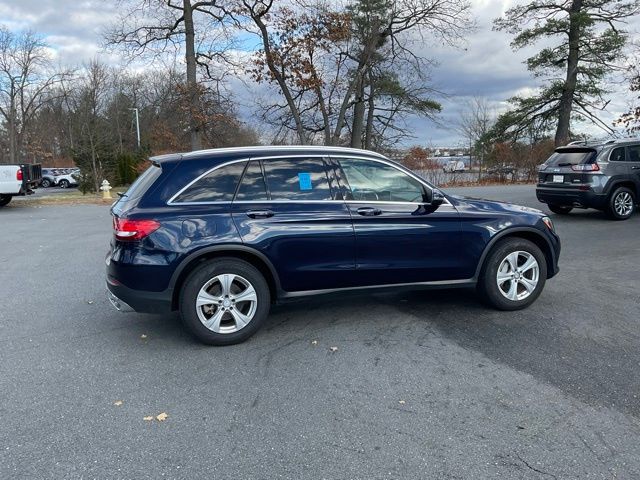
(221, 234)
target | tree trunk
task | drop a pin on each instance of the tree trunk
(368, 136)
(566, 101)
(358, 114)
(193, 89)
(12, 127)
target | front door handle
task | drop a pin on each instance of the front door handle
(635, 168)
(260, 213)
(369, 211)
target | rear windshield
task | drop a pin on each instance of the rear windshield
(142, 184)
(566, 159)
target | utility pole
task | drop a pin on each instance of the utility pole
(137, 125)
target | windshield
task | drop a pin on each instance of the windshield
(566, 159)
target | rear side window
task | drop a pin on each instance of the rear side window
(252, 187)
(297, 179)
(218, 185)
(633, 153)
(617, 155)
(566, 159)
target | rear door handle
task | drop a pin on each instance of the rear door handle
(259, 213)
(369, 211)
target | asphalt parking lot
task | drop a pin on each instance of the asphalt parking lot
(421, 385)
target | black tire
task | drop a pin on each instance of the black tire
(487, 282)
(206, 273)
(560, 209)
(46, 183)
(63, 183)
(615, 210)
(4, 200)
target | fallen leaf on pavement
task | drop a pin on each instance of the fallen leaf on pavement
(333, 349)
(314, 342)
(117, 403)
(143, 336)
(401, 402)
(148, 419)
(162, 417)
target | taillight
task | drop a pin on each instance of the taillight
(131, 230)
(587, 167)
(19, 175)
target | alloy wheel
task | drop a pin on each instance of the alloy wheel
(226, 303)
(623, 204)
(518, 275)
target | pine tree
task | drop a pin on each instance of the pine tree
(588, 47)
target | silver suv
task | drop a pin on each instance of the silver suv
(603, 175)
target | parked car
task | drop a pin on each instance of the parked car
(49, 177)
(454, 166)
(18, 180)
(221, 234)
(501, 170)
(67, 178)
(602, 175)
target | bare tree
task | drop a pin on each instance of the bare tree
(157, 26)
(26, 79)
(475, 122)
(334, 66)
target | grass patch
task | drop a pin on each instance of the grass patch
(69, 197)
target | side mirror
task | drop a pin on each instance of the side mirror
(437, 198)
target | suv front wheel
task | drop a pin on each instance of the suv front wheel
(622, 204)
(224, 301)
(513, 274)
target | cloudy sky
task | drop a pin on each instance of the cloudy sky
(484, 67)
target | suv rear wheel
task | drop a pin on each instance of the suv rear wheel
(513, 275)
(622, 204)
(560, 209)
(4, 200)
(224, 301)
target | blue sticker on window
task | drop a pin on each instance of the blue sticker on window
(304, 179)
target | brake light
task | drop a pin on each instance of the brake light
(132, 230)
(587, 167)
(19, 175)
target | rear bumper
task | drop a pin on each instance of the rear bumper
(126, 299)
(573, 197)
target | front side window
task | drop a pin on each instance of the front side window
(617, 155)
(375, 181)
(297, 179)
(218, 185)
